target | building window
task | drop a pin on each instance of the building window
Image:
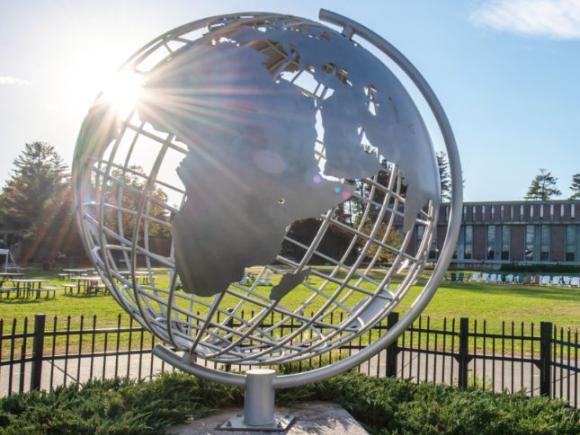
(530, 233)
(512, 212)
(541, 211)
(501, 212)
(572, 211)
(506, 235)
(561, 210)
(531, 211)
(468, 250)
(460, 245)
(420, 233)
(492, 212)
(491, 242)
(522, 212)
(571, 243)
(433, 245)
(483, 212)
(545, 244)
(551, 211)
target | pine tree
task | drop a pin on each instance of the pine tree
(37, 200)
(575, 187)
(39, 180)
(445, 178)
(543, 186)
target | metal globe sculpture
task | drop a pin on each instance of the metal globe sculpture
(274, 144)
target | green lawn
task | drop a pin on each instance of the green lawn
(497, 305)
(493, 303)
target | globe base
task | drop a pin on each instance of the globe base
(280, 423)
(259, 412)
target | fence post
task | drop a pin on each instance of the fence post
(546, 358)
(229, 324)
(463, 348)
(37, 351)
(392, 349)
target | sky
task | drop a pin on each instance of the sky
(507, 72)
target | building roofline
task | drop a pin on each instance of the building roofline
(520, 202)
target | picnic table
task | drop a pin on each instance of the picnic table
(87, 283)
(69, 273)
(27, 286)
(140, 276)
(9, 276)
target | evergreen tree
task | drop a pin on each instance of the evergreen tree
(126, 194)
(38, 181)
(575, 187)
(445, 178)
(37, 201)
(543, 186)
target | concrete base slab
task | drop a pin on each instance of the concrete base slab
(320, 418)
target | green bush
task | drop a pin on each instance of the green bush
(382, 405)
(114, 407)
(390, 406)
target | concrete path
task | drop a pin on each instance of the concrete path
(492, 375)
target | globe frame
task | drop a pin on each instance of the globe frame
(349, 29)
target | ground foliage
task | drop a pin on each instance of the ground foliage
(382, 405)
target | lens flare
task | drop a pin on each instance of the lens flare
(122, 92)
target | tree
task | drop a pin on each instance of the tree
(575, 187)
(39, 179)
(125, 195)
(37, 201)
(543, 186)
(444, 177)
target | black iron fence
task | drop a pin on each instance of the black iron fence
(536, 359)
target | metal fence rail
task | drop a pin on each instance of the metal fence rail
(537, 359)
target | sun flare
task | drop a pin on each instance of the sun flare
(122, 92)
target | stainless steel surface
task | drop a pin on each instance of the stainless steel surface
(250, 122)
(259, 398)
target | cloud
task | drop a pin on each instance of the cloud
(558, 19)
(13, 81)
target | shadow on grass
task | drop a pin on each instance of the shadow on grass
(84, 296)
(19, 301)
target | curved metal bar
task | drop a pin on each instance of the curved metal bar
(293, 380)
(452, 234)
(350, 28)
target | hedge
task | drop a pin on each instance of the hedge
(381, 405)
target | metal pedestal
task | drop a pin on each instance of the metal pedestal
(259, 412)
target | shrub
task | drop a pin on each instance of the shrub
(382, 405)
(400, 407)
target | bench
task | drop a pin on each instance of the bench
(70, 288)
(6, 291)
(101, 288)
(47, 291)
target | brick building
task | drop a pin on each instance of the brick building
(516, 232)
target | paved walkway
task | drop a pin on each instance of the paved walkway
(491, 375)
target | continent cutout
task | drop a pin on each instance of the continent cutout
(251, 169)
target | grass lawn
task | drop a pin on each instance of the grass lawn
(482, 302)
(493, 303)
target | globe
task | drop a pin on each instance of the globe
(294, 176)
